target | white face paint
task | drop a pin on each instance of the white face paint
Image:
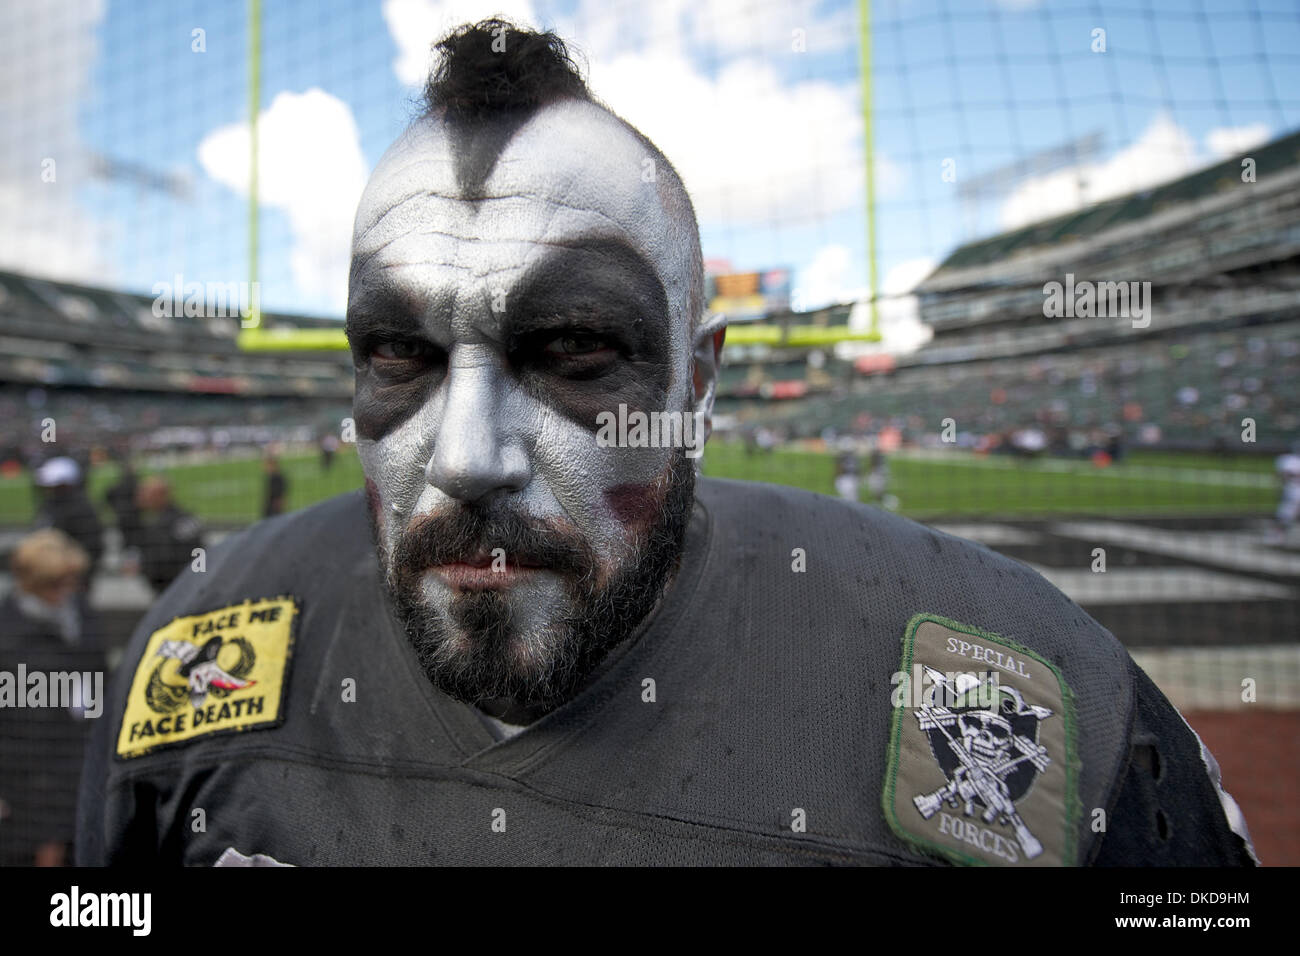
(566, 246)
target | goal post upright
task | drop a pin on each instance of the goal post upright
(869, 158)
(253, 337)
(254, 319)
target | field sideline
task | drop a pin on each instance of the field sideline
(926, 484)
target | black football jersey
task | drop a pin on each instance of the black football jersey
(823, 683)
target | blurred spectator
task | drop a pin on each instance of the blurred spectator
(328, 446)
(1288, 509)
(65, 505)
(847, 468)
(277, 487)
(878, 478)
(1115, 446)
(121, 497)
(1029, 442)
(167, 536)
(47, 629)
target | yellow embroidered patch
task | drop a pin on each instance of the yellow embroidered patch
(218, 672)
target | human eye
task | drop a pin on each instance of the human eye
(572, 344)
(576, 354)
(401, 350)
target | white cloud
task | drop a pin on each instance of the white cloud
(44, 229)
(1163, 152)
(901, 328)
(415, 24)
(310, 167)
(750, 148)
(723, 28)
(45, 232)
(744, 27)
(1230, 140)
(824, 282)
(906, 276)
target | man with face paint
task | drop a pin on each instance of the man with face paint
(505, 291)
(536, 638)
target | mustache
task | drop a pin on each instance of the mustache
(468, 533)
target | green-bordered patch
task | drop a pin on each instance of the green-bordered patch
(982, 766)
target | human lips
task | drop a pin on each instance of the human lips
(472, 549)
(485, 572)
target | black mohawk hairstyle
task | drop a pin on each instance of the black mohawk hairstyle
(493, 66)
(494, 70)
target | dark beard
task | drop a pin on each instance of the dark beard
(488, 660)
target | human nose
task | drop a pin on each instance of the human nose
(474, 453)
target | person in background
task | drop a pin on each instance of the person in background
(329, 445)
(121, 497)
(878, 478)
(847, 475)
(47, 628)
(277, 488)
(167, 536)
(1288, 508)
(1115, 444)
(65, 505)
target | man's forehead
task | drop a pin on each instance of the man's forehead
(570, 170)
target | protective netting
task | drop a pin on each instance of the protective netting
(1077, 237)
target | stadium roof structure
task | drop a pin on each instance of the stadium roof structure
(53, 307)
(1097, 217)
(1216, 247)
(66, 334)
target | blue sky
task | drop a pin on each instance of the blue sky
(767, 136)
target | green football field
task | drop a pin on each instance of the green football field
(1147, 483)
(929, 484)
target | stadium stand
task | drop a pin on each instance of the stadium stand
(1222, 341)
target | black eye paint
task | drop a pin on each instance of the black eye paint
(387, 392)
(378, 408)
(599, 288)
(604, 289)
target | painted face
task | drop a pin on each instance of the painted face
(509, 284)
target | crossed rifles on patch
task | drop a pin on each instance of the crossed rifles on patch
(987, 751)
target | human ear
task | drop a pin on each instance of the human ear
(707, 356)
